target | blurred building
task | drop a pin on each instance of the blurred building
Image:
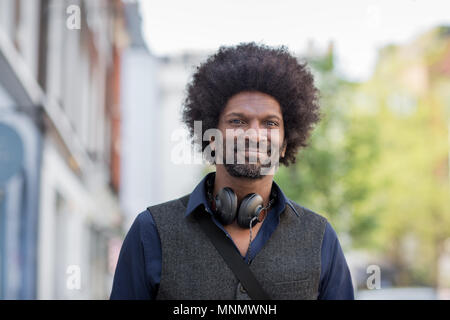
(182, 173)
(141, 121)
(59, 147)
(153, 90)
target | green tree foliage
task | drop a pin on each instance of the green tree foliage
(331, 174)
(378, 163)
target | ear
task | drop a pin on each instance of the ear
(283, 151)
(212, 144)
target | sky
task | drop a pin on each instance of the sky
(357, 28)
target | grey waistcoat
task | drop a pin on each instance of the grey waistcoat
(288, 266)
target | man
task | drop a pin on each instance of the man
(293, 252)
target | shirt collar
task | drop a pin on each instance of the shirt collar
(198, 197)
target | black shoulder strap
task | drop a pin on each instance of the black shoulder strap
(231, 256)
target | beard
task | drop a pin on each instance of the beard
(249, 170)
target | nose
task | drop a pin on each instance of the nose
(257, 132)
(255, 125)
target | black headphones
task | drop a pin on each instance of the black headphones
(225, 206)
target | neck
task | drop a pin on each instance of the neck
(243, 186)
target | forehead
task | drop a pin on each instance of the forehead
(252, 103)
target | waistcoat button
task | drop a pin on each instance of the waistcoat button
(241, 288)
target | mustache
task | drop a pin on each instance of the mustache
(256, 146)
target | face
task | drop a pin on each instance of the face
(258, 116)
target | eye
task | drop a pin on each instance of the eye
(272, 123)
(236, 121)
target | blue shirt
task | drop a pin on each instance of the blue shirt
(138, 271)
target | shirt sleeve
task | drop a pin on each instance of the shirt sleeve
(139, 265)
(335, 278)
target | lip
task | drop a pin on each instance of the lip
(248, 150)
(248, 153)
(251, 155)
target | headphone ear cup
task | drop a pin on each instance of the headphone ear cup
(250, 207)
(226, 205)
